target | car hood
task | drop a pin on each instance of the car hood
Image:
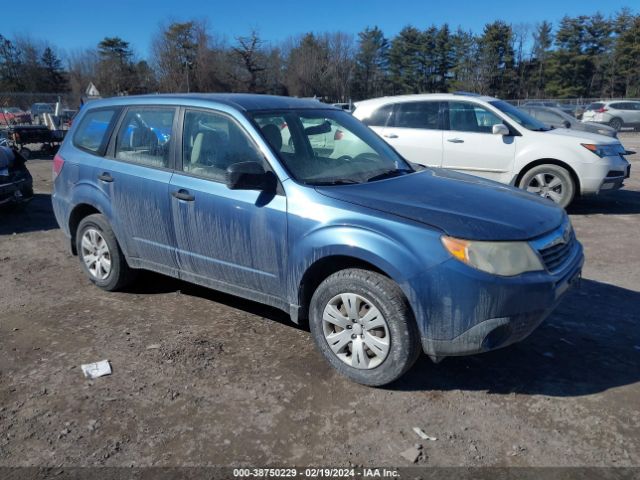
(461, 205)
(582, 136)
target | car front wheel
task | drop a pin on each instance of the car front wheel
(363, 325)
(550, 181)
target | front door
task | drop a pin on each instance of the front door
(470, 147)
(233, 237)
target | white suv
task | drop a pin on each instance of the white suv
(616, 114)
(491, 138)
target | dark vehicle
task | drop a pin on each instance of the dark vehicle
(556, 118)
(16, 184)
(23, 135)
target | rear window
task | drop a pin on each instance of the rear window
(595, 106)
(379, 117)
(418, 115)
(92, 133)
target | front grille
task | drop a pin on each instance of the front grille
(556, 255)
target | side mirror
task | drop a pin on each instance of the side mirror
(566, 124)
(249, 176)
(500, 129)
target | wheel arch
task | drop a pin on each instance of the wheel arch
(549, 161)
(79, 212)
(322, 268)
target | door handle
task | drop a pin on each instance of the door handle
(183, 195)
(390, 135)
(455, 140)
(105, 177)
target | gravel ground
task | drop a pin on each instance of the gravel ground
(202, 378)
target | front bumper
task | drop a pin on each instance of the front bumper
(473, 312)
(606, 175)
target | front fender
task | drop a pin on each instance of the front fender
(401, 262)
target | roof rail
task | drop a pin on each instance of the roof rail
(467, 94)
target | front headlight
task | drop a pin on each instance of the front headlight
(499, 258)
(609, 150)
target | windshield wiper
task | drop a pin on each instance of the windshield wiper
(389, 174)
(337, 181)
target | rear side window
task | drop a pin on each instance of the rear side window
(379, 117)
(619, 106)
(92, 135)
(144, 137)
(417, 115)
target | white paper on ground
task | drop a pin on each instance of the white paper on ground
(97, 369)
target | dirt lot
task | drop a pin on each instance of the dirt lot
(202, 378)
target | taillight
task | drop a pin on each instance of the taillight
(16, 137)
(338, 135)
(58, 163)
(283, 126)
(601, 110)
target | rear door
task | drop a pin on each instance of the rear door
(135, 175)
(225, 237)
(469, 145)
(415, 131)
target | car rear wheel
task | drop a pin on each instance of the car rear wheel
(616, 124)
(100, 255)
(550, 181)
(362, 324)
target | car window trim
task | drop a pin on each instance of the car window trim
(111, 149)
(179, 158)
(101, 152)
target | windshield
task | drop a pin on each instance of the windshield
(328, 147)
(520, 117)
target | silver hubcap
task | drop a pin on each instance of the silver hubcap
(547, 185)
(95, 254)
(356, 331)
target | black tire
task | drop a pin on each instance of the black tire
(616, 124)
(120, 274)
(387, 297)
(563, 196)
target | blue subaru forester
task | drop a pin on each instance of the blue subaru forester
(298, 205)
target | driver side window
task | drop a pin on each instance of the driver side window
(467, 117)
(211, 142)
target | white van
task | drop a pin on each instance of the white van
(490, 138)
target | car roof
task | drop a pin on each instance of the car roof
(239, 101)
(424, 96)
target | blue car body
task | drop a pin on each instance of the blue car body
(272, 248)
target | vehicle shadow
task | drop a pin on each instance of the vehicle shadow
(155, 283)
(37, 215)
(618, 202)
(590, 344)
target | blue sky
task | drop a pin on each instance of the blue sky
(73, 24)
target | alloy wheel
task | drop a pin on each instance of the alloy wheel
(547, 185)
(95, 254)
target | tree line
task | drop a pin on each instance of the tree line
(580, 57)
